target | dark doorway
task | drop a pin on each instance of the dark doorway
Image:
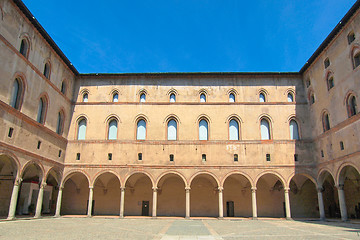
(230, 208)
(145, 208)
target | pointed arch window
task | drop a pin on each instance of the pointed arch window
(85, 97)
(312, 98)
(294, 130)
(16, 94)
(60, 123)
(233, 130)
(113, 128)
(330, 81)
(81, 129)
(231, 97)
(141, 130)
(262, 97)
(326, 122)
(47, 70)
(172, 130)
(203, 130)
(24, 48)
(290, 97)
(115, 97)
(202, 97)
(265, 129)
(172, 97)
(41, 110)
(142, 97)
(351, 106)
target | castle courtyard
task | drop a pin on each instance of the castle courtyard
(173, 228)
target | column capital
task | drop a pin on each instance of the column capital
(286, 190)
(122, 189)
(18, 181)
(320, 189)
(91, 187)
(220, 189)
(187, 189)
(155, 189)
(340, 186)
(253, 189)
(43, 185)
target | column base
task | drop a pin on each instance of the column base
(187, 217)
(288, 218)
(254, 218)
(154, 217)
(57, 216)
(322, 219)
(121, 217)
(220, 218)
(89, 216)
(10, 218)
(36, 217)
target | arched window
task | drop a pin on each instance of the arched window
(231, 97)
(172, 130)
(81, 129)
(113, 127)
(330, 81)
(290, 97)
(143, 97)
(63, 87)
(233, 130)
(85, 97)
(60, 123)
(172, 97)
(294, 130)
(351, 106)
(41, 110)
(141, 130)
(265, 129)
(202, 97)
(115, 97)
(262, 97)
(203, 130)
(47, 70)
(24, 47)
(16, 94)
(326, 122)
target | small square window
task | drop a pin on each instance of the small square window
(342, 145)
(11, 130)
(39, 145)
(296, 157)
(78, 156)
(140, 156)
(268, 157)
(59, 153)
(203, 157)
(171, 157)
(109, 156)
(236, 158)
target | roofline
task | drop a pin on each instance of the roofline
(175, 74)
(44, 34)
(331, 36)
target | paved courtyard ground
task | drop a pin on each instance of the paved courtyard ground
(168, 229)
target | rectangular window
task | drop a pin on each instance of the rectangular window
(322, 153)
(59, 153)
(171, 157)
(268, 157)
(11, 130)
(109, 156)
(39, 144)
(351, 37)
(342, 145)
(203, 157)
(78, 156)
(140, 156)
(236, 158)
(296, 157)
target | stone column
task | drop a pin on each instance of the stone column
(287, 203)
(91, 194)
(40, 200)
(58, 202)
(187, 197)
(321, 203)
(221, 204)
(254, 206)
(154, 202)
(14, 197)
(122, 202)
(342, 202)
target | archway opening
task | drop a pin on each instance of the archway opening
(8, 171)
(330, 196)
(29, 190)
(270, 196)
(106, 195)
(138, 195)
(350, 178)
(237, 196)
(75, 195)
(204, 196)
(51, 192)
(171, 196)
(303, 197)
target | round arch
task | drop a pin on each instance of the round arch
(278, 175)
(320, 176)
(36, 163)
(69, 174)
(57, 171)
(205, 173)
(341, 168)
(237, 173)
(98, 174)
(171, 172)
(139, 172)
(308, 175)
(14, 159)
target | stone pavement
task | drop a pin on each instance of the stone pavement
(171, 228)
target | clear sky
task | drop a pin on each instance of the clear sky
(117, 36)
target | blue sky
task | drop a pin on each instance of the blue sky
(117, 36)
